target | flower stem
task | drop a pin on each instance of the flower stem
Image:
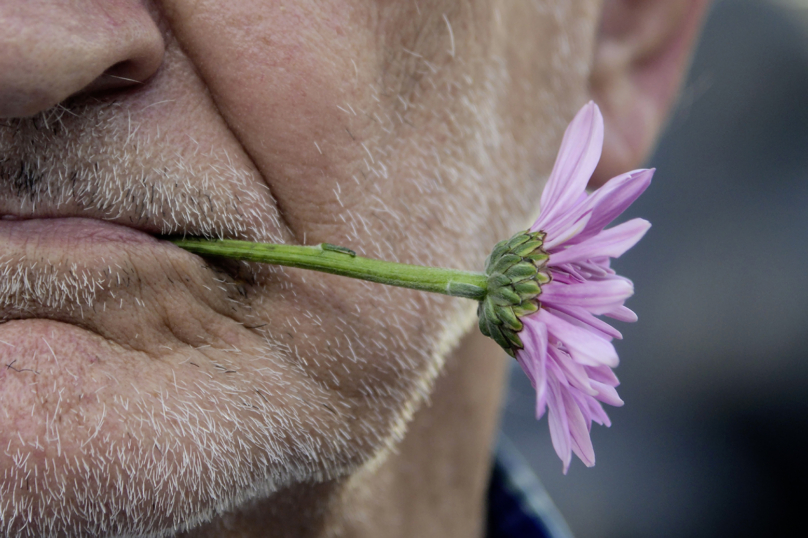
(329, 258)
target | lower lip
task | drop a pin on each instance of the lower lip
(66, 232)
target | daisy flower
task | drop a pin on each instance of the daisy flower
(548, 285)
(542, 289)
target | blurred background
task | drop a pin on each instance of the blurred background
(713, 438)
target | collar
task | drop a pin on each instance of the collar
(518, 504)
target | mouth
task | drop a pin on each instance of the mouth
(89, 272)
(55, 238)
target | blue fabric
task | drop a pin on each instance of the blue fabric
(518, 504)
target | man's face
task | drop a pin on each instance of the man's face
(143, 387)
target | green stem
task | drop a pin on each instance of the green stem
(342, 261)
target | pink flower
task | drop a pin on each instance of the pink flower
(567, 351)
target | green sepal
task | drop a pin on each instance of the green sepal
(500, 249)
(517, 240)
(520, 271)
(505, 262)
(508, 318)
(482, 320)
(516, 342)
(526, 308)
(528, 248)
(498, 337)
(504, 296)
(490, 311)
(538, 258)
(527, 289)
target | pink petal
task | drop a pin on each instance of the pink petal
(613, 198)
(622, 313)
(566, 229)
(533, 359)
(597, 414)
(569, 370)
(597, 296)
(595, 267)
(577, 158)
(586, 318)
(567, 274)
(602, 374)
(587, 218)
(612, 242)
(579, 430)
(559, 426)
(585, 347)
(607, 394)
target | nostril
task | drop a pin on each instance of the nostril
(70, 49)
(123, 71)
(121, 75)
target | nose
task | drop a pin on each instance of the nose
(51, 50)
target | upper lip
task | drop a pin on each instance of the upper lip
(153, 188)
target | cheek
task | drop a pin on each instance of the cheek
(356, 115)
(284, 76)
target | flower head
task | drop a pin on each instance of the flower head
(555, 334)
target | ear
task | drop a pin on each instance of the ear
(643, 51)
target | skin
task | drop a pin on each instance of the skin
(149, 392)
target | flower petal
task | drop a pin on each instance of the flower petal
(533, 359)
(586, 318)
(577, 158)
(607, 394)
(597, 296)
(613, 198)
(603, 374)
(589, 216)
(585, 347)
(612, 242)
(571, 372)
(566, 230)
(579, 429)
(559, 425)
(622, 313)
(596, 413)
